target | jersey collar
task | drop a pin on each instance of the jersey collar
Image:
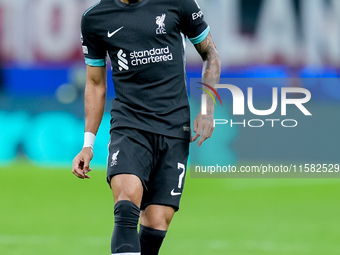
(136, 5)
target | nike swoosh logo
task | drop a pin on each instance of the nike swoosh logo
(111, 34)
(173, 193)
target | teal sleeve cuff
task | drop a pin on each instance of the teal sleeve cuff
(201, 37)
(95, 62)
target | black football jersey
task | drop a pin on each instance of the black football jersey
(146, 44)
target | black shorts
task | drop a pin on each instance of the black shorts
(159, 162)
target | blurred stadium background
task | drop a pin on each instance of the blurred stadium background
(45, 210)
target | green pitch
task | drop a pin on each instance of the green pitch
(49, 211)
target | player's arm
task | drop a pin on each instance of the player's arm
(204, 124)
(95, 95)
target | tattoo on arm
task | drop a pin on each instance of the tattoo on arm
(211, 61)
(206, 117)
(211, 64)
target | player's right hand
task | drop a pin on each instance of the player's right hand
(81, 163)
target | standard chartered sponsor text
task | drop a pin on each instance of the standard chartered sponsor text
(153, 55)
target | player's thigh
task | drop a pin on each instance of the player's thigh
(166, 182)
(129, 164)
(157, 216)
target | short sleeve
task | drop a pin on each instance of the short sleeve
(94, 52)
(192, 21)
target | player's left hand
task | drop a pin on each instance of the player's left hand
(204, 127)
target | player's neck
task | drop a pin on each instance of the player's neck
(130, 1)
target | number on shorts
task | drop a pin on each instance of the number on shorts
(181, 176)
